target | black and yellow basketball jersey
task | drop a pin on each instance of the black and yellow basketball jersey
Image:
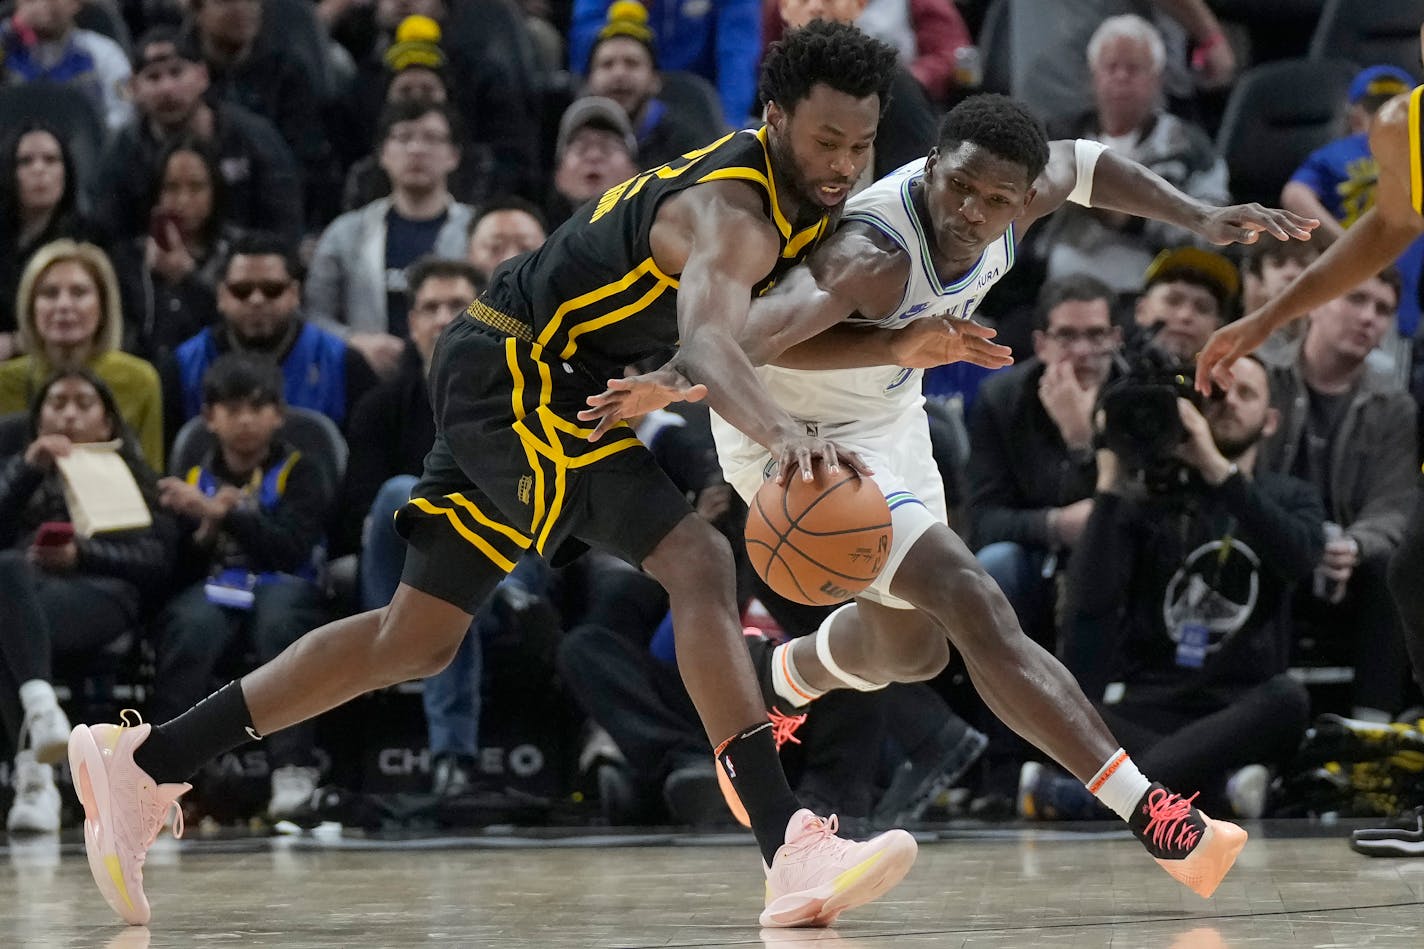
(1416, 153)
(593, 297)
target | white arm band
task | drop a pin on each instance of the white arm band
(1085, 154)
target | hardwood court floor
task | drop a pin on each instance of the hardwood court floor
(995, 888)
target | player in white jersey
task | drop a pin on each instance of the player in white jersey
(893, 286)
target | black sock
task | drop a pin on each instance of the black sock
(750, 760)
(175, 750)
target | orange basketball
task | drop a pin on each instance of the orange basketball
(821, 541)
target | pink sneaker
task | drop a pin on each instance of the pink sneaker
(123, 811)
(816, 875)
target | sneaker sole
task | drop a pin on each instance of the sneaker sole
(861, 884)
(1387, 847)
(1204, 869)
(91, 786)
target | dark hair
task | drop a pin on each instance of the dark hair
(431, 267)
(1395, 281)
(9, 186)
(262, 244)
(184, 47)
(1199, 278)
(509, 202)
(836, 54)
(393, 113)
(129, 448)
(1254, 255)
(1000, 125)
(209, 158)
(1079, 287)
(242, 377)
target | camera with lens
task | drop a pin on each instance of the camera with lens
(1141, 422)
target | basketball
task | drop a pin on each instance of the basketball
(822, 541)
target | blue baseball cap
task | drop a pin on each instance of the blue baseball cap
(1380, 82)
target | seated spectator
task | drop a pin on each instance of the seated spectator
(38, 192)
(70, 317)
(1126, 56)
(1179, 600)
(1267, 268)
(356, 285)
(169, 83)
(1336, 182)
(169, 276)
(259, 300)
(908, 123)
(1049, 73)
(270, 80)
(65, 597)
(928, 34)
(623, 67)
(1187, 294)
(490, 91)
(1031, 466)
(721, 46)
(501, 229)
(40, 43)
(596, 150)
(1350, 432)
(254, 509)
(418, 74)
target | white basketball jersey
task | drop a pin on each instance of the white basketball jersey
(835, 397)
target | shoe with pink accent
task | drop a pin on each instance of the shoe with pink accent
(124, 809)
(1196, 850)
(816, 876)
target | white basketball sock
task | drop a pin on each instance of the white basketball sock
(1119, 785)
(786, 678)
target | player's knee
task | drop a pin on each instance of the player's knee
(971, 606)
(920, 657)
(693, 559)
(406, 650)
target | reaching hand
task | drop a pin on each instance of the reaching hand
(1243, 223)
(925, 344)
(45, 449)
(800, 451)
(638, 395)
(1227, 345)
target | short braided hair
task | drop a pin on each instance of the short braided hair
(836, 54)
(1000, 125)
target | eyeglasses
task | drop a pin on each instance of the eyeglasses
(1096, 338)
(271, 289)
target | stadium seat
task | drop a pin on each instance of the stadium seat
(14, 434)
(1277, 114)
(1380, 31)
(311, 433)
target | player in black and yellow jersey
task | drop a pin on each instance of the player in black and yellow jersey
(669, 259)
(1368, 246)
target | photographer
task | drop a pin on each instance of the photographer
(1177, 599)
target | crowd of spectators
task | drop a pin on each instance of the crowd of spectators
(240, 288)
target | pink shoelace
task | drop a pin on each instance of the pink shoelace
(817, 832)
(783, 727)
(1168, 826)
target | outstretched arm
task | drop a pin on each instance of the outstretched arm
(1121, 184)
(1367, 247)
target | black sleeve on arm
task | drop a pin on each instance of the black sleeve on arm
(18, 483)
(360, 379)
(1283, 516)
(1099, 583)
(995, 503)
(283, 539)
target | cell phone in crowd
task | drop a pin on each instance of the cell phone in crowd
(54, 534)
(158, 225)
